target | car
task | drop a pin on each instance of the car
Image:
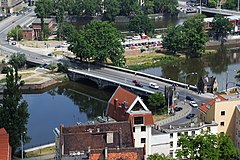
(13, 42)
(58, 46)
(193, 104)
(50, 54)
(190, 98)
(135, 81)
(137, 37)
(138, 84)
(190, 116)
(176, 109)
(129, 37)
(43, 65)
(153, 85)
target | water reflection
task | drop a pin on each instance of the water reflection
(67, 104)
(213, 65)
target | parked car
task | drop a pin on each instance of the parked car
(190, 98)
(43, 65)
(129, 37)
(153, 85)
(13, 42)
(176, 109)
(50, 54)
(137, 37)
(135, 81)
(190, 116)
(193, 104)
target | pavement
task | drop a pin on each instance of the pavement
(46, 157)
(186, 109)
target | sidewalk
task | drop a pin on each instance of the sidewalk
(186, 109)
(46, 157)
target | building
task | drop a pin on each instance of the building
(164, 139)
(224, 110)
(113, 140)
(10, 6)
(5, 148)
(207, 84)
(126, 106)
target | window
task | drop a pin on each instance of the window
(143, 140)
(222, 123)
(193, 132)
(171, 144)
(179, 134)
(133, 129)
(171, 153)
(171, 135)
(138, 120)
(222, 113)
(143, 128)
(178, 144)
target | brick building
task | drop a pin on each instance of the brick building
(5, 148)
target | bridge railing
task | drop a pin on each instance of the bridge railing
(169, 81)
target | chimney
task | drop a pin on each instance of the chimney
(120, 137)
(106, 153)
(115, 102)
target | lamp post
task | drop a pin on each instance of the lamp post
(227, 78)
(238, 6)
(22, 142)
(188, 74)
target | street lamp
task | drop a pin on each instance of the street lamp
(188, 74)
(227, 78)
(22, 142)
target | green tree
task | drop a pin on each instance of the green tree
(157, 156)
(166, 6)
(68, 30)
(18, 60)
(174, 39)
(44, 8)
(129, 7)
(195, 36)
(16, 33)
(59, 11)
(14, 111)
(99, 41)
(148, 7)
(221, 26)
(238, 75)
(112, 8)
(230, 4)
(141, 24)
(156, 102)
(92, 7)
(206, 146)
(62, 67)
(212, 3)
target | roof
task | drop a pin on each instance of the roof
(5, 148)
(97, 136)
(205, 107)
(124, 106)
(38, 21)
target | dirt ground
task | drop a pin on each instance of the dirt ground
(41, 44)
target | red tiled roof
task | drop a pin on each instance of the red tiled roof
(79, 138)
(5, 148)
(118, 99)
(148, 119)
(204, 107)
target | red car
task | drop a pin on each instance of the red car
(138, 84)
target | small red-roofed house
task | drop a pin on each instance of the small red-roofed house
(5, 148)
(126, 106)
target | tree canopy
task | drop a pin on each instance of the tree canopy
(16, 33)
(157, 156)
(141, 24)
(206, 146)
(221, 26)
(156, 102)
(18, 60)
(99, 41)
(14, 111)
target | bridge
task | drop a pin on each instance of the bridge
(106, 75)
(225, 12)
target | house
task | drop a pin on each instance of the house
(33, 32)
(5, 148)
(207, 84)
(10, 6)
(113, 140)
(126, 106)
(224, 110)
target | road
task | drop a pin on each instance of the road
(6, 25)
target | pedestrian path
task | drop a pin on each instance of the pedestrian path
(186, 109)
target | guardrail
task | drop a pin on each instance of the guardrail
(183, 85)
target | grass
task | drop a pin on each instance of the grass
(159, 117)
(41, 152)
(33, 80)
(3, 80)
(25, 75)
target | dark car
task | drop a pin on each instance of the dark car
(190, 98)
(138, 84)
(135, 81)
(43, 65)
(176, 109)
(190, 116)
